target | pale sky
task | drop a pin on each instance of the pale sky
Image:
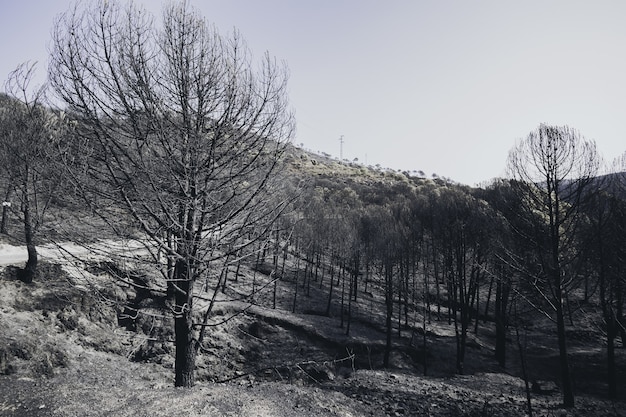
(441, 86)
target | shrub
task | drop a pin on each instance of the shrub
(47, 359)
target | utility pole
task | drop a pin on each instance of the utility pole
(341, 148)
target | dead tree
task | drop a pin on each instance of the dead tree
(32, 138)
(186, 134)
(552, 171)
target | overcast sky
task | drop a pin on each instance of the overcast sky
(445, 87)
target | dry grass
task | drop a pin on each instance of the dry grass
(63, 354)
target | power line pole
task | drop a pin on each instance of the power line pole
(341, 148)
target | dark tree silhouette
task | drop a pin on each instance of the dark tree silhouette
(186, 134)
(553, 169)
(32, 138)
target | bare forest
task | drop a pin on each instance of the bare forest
(160, 231)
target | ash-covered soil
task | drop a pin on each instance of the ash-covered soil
(63, 352)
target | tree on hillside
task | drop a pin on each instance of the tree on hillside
(607, 256)
(6, 104)
(389, 232)
(464, 228)
(387, 248)
(552, 171)
(185, 134)
(619, 167)
(31, 141)
(506, 251)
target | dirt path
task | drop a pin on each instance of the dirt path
(17, 255)
(12, 255)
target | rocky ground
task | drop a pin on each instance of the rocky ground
(63, 353)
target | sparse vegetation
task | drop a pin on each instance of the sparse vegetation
(190, 238)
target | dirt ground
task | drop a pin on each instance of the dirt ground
(63, 353)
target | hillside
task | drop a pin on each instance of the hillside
(65, 353)
(313, 166)
(166, 250)
(80, 341)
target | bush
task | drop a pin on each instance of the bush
(41, 366)
(47, 359)
(6, 367)
(22, 349)
(68, 319)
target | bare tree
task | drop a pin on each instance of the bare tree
(607, 255)
(6, 105)
(186, 134)
(31, 137)
(552, 170)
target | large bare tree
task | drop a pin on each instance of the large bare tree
(553, 170)
(184, 133)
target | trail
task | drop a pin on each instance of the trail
(66, 253)
(12, 255)
(17, 255)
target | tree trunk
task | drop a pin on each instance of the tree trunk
(330, 291)
(522, 354)
(185, 360)
(488, 300)
(475, 305)
(367, 275)
(274, 290)
(28, 274)
(295, 287)
(238, 266)
(426, 291)
(343, 291)
(500, 319)
(185, 352)
(621, 322)
(357, 269)
(5, 220)
(351, 290)
(424, 341)
(224, 273)
(457, 308)
(461, 334)
(406, 295)
(389, 311)
(317, 266)
(323, 271)
(610, 356)
(308, 273)
(6, 205)
(282, 267)
(606, 298)
(559, 293)
(566, 381)
(400, 309)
